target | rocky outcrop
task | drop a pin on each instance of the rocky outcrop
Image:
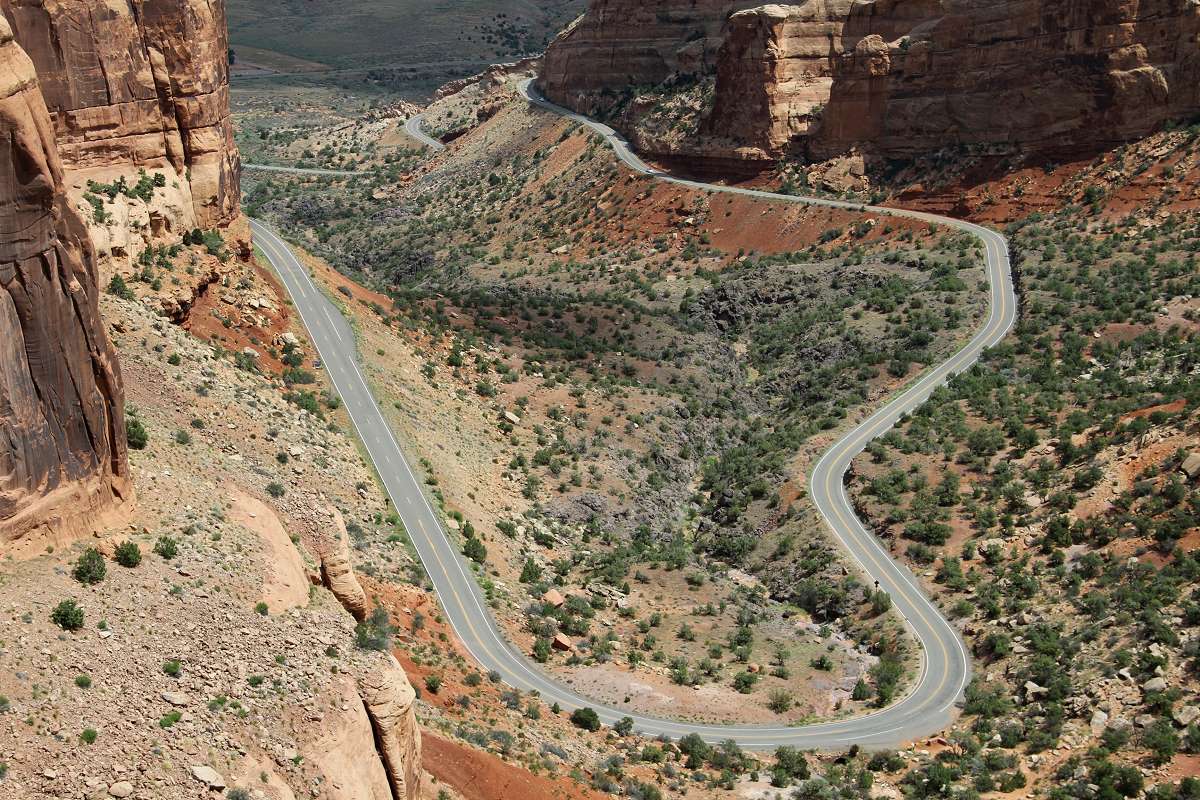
(62, 434)
(1063, 79)
(774, 75)
(620, 44)
(139, 83)
(342, 748)
(898, 78)
(389, 699)
(337, 570)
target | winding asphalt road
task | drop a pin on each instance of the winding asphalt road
(412, 126)
(926, 709)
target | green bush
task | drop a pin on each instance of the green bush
(90, 569)
(118, 288)
(276, 490)
(135, 433)
(475, 550)
(166, 547)
(586, 718)
(67, 615)
(128, 554)
(374, 632)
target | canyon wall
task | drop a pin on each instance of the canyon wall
(1063, 79)
(138, 83)
(620, 44)
(62, 427)
(894, 78)
(774, 73)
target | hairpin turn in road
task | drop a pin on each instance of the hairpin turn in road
(928, 706)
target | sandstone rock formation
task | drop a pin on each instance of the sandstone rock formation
(389, 698)
(343, 749)
(896, 77)
(1059, 78)
(620, 44)
(62, 427)
(337, 570)
(139, 83)
(774, 74)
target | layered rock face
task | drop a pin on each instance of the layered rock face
(774, 74)
(62, 434)
(620, 44)
(898, 78)
(1059, 78)
(139, 83)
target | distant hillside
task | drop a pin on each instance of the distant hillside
(383, 32)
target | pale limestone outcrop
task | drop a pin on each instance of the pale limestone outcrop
(62, 429)
(389, 698)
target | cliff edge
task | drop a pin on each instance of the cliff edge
(62, 429)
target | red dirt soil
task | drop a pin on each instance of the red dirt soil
(476, 775)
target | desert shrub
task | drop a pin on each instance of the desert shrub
(128, 554)
(586, 718)
(67, 615)
(475, 550)
(135, 433)
(90, 568)
(166, 547)
(375, 632)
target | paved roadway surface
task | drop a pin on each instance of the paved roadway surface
(412, 126)
(945, 669)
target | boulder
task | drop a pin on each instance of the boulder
(208, 776)
(1186, 715)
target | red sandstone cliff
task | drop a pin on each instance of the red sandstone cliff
(894, 77)
(62, 429)
(95, 89)
(1063, 78)
(619, 44)
(774, 75)
(138, 83)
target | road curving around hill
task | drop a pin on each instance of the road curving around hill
(929, 705)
